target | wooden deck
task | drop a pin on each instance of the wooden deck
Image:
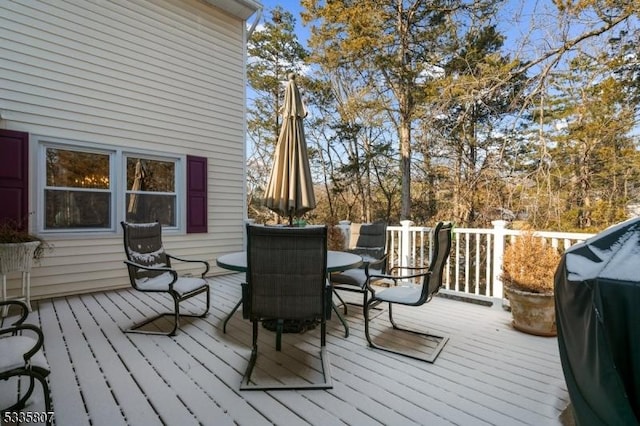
(488, 373)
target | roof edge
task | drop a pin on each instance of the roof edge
(242, 9)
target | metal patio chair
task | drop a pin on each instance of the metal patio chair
(405, 292)
(286, 280)
(371, 245)
(21, 356)
(150, 270)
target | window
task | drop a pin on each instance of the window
(78, 192)
(91, 189)
(151, 193)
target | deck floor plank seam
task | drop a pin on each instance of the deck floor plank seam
(169, 408)
(487, 374)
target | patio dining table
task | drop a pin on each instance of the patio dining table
(336, 261)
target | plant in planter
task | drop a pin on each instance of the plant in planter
(12, 233)
(18, 251)
(528, 270)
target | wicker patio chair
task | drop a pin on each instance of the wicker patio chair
(21, 356)
(371, 245)
(150, 270)
(286, 280)
(405, 292)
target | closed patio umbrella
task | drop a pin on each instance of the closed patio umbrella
(290, 188)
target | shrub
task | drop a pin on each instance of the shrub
(529, 264)
(335, 237)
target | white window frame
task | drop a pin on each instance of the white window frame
(117, 183)
(180, 176)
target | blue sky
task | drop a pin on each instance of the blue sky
(292, 6)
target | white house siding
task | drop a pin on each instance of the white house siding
(155, 75)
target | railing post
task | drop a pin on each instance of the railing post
(345, 228)
(498, 252)
(405, 243)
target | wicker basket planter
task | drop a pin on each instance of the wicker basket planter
(17, 257)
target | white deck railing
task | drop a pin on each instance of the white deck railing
(474, 268)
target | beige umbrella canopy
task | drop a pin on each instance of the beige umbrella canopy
(290, 189)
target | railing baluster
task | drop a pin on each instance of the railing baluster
(411, 246)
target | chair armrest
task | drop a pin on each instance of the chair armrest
(23, 307)
(180, 259)
(396, 278)
(132, 265)
(382, 261)
(409, 268)
(149, 268)
(38, 343)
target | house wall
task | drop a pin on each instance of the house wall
(154, 75)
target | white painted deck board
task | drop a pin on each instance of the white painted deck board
(134, 405)
(487, 374)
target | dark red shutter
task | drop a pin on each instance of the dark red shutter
(196, 194)
(14, 177)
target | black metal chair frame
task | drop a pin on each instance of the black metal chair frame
(134, 268)
(431, 277)
(31, 371)
(379, 264)
(319, 262)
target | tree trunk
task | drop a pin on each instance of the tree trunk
(405, 167)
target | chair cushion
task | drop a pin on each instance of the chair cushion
(156, 259)
(161, 283)
(355, 277)
(403, 293)
(12, 350)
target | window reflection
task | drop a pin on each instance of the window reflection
(77, 169)
(71, 209)
(151, 191)
(77, 193)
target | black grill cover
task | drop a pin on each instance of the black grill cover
(597, 293)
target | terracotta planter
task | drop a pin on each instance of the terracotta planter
(533, 313)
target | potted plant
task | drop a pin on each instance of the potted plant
(18, 248)
(528, 266)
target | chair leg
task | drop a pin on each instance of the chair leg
(342, 320)
(442, 340)
(365, 310)
(233, 311)
(246, 379)
(208, 302)
(22, 400)
(393, 323)
(327, 383)
(175, 315)
(342, 302)
(279, 327)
